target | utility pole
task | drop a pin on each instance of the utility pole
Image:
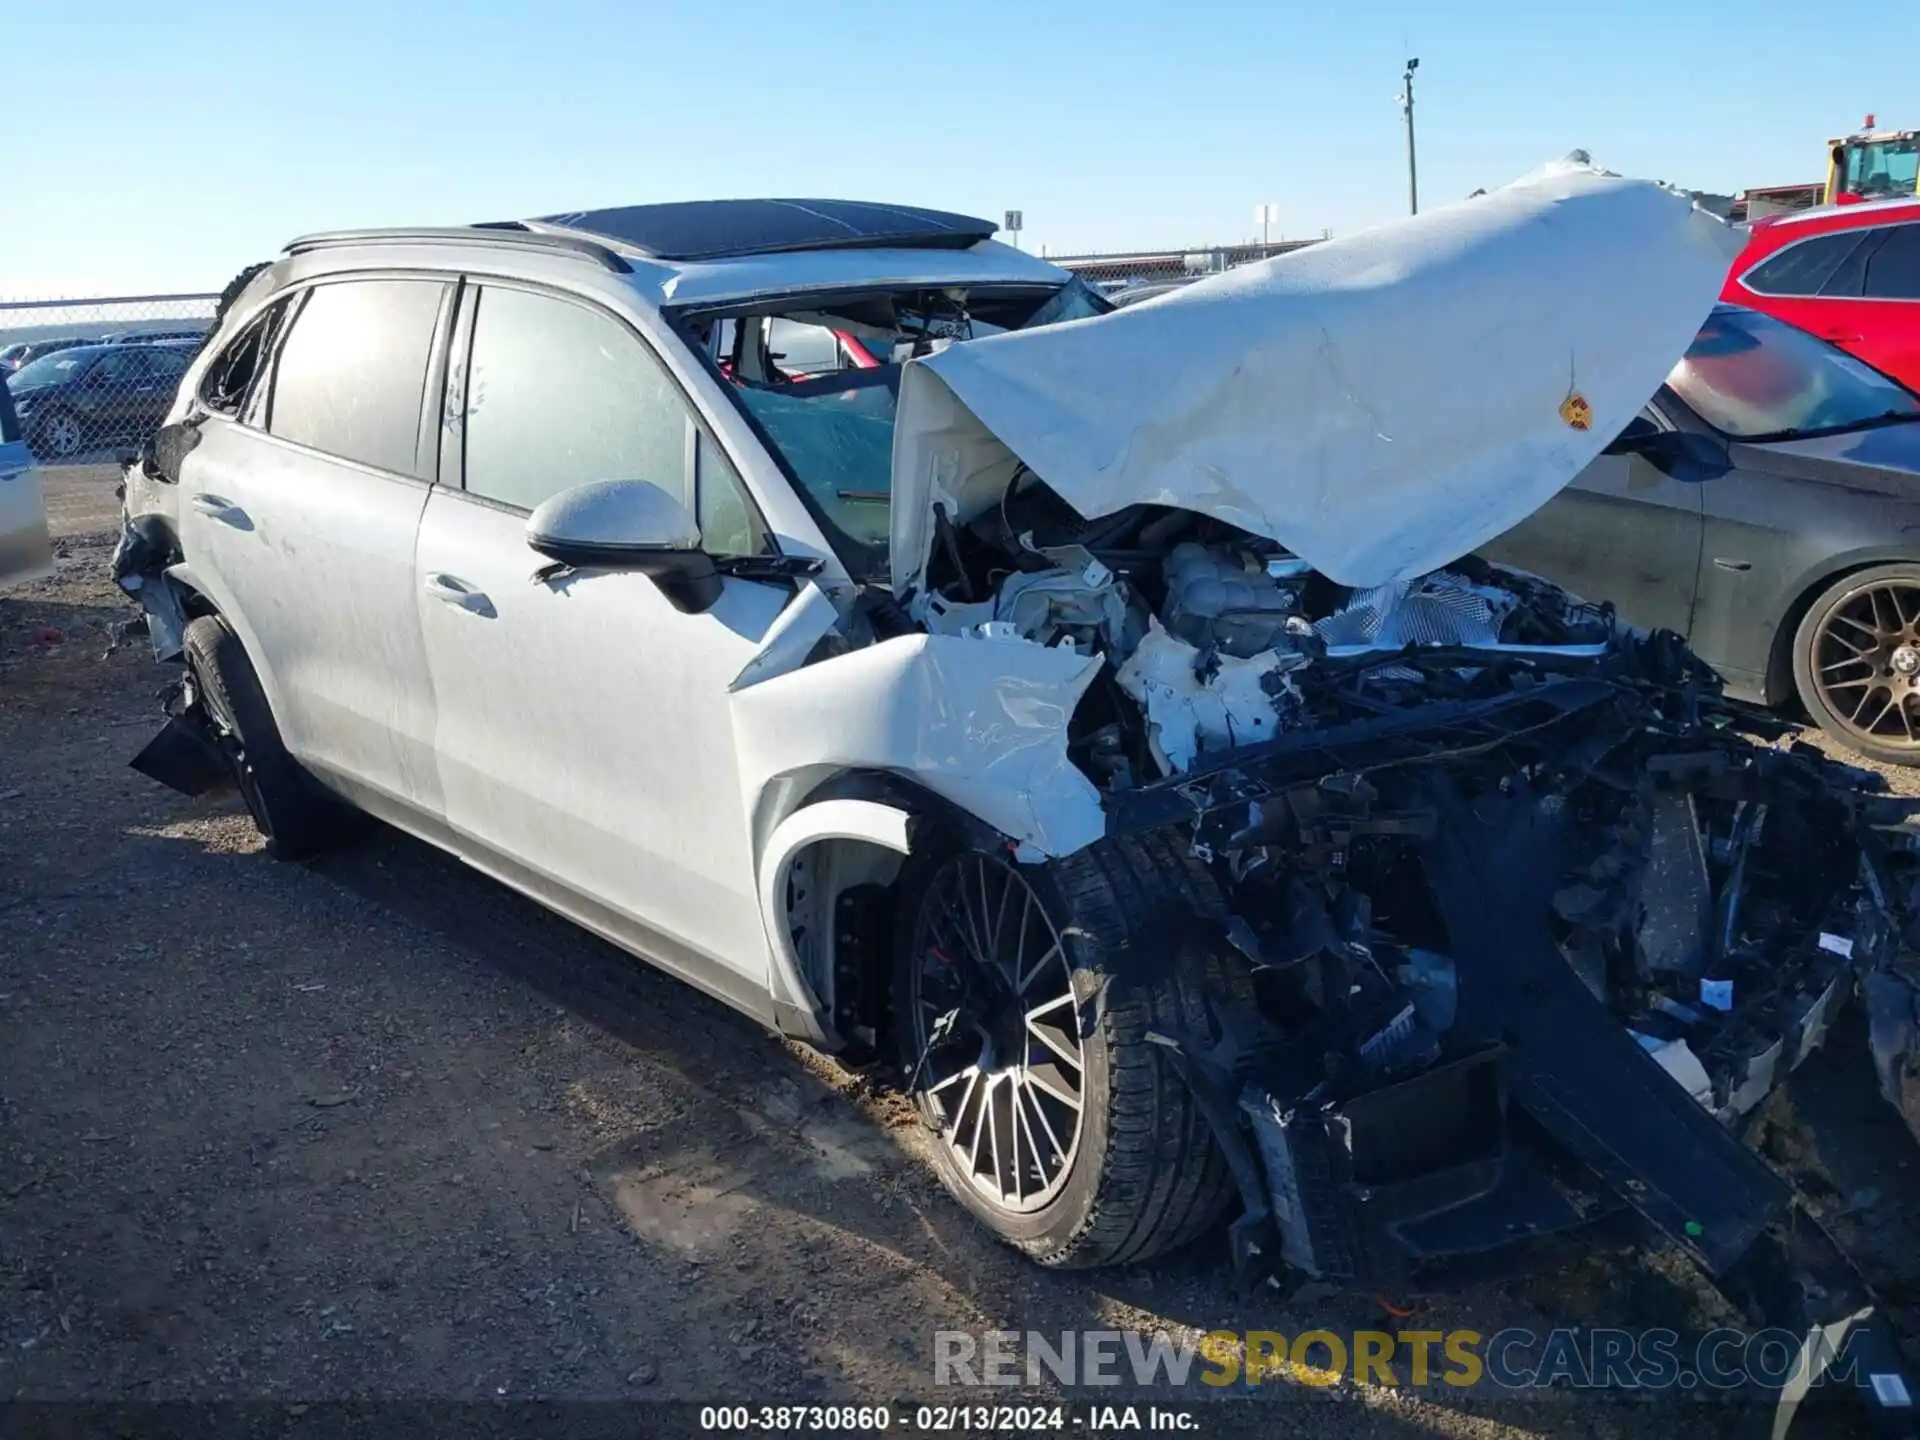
(1413, 174)
(1265, 216)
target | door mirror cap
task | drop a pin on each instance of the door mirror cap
(628, 525)
(1640, 430)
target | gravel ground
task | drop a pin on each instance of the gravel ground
(377, 1127)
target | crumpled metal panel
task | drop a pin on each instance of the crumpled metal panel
(979, 722)
(1380, 403)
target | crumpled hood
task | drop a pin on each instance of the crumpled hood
(1380, 404)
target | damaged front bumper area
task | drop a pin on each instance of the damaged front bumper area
(1528, 945)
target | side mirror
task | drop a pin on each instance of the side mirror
(628, 525)
(1640, 430)
(1678, 454)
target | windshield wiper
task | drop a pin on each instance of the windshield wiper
(1821, 432)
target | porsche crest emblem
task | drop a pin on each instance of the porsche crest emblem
(1577, 412)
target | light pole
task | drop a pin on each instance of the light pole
(1413, 174)
(1265, 216)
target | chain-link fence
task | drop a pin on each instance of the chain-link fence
(1113, 271)
(91, 379)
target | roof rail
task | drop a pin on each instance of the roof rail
(496, 234)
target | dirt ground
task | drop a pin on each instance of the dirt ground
(378, 1127)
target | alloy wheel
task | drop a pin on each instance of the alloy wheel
(996, 1024)
(62, 435)
(1866, 663)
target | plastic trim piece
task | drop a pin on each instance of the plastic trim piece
(862, 820)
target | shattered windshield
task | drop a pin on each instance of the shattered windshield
(821, 378)
(1752, 377)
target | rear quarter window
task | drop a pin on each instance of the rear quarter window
(232, 375)
(353, 369)
(1804, 266)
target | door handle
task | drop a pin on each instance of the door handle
(449, 590)
(225, 511)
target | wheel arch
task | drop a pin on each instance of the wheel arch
(825, 877)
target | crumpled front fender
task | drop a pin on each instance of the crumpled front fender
(980, 723)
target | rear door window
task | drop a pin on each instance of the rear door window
(353, 369)
(1894, 271)
(1849, 278)
(168, 362)
(231, 377)
(120, 368)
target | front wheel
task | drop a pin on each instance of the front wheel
(1856, 662)
(1024, 1000)
(58, 435)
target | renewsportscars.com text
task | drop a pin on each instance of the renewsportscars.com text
(1507, 1360)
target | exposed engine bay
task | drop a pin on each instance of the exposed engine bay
(1482, 848)
(1534, 917)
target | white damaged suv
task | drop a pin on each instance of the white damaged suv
(1098, 717)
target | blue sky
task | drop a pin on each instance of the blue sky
(162, 146)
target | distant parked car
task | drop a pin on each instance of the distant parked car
(1766, 506)
(1847, 273)
(80, 399)
(25, 352)
(150, 337)
(1134, 294)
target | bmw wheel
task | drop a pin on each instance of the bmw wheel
(1856, 662)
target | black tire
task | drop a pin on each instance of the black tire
(1143, 1174)
(1856, 662)
(292, 814)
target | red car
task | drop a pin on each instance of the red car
(1847, 273)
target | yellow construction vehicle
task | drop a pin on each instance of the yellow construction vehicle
(1872, 164)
